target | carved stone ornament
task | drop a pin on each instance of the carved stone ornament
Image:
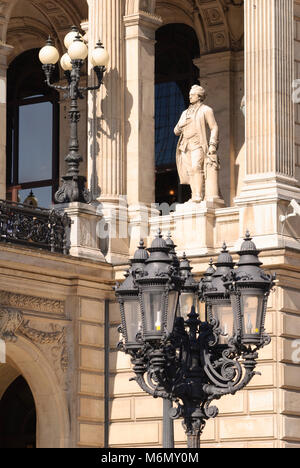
(41, 337)
(10, 321)
(33, 303)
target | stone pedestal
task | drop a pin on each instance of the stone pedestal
(113, 230)
(191, 226)
(84, 236)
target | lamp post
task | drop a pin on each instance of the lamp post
(182, 359)
(73, 185)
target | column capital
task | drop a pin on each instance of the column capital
(141, 24)
(5, 51)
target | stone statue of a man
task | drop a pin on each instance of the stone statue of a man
(193, 146)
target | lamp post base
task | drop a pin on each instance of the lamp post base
(73, 190)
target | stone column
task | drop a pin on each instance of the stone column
(106, 164)
(270, 181)
(5, 50)
(106, 108)
(139, 106)
(139, 120)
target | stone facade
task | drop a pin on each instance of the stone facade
(58, 314)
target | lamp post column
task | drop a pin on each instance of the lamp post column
(168, 425)
(73, 187)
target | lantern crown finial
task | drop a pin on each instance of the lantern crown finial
(141, 254)
(185, 263)
(248, 244)
(159, 243)
(210, 270)
(249, 252)
(224, 259)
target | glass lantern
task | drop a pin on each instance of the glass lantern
(249, 290)
(128, 296)
(133, 319)
(217, 299)
(189, 292)
(222, 312)
(159, 286)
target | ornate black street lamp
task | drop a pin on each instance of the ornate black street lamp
(181, 358)
(73, 185)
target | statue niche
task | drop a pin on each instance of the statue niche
(196, 157)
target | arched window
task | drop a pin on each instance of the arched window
(32, 132)
(176, 47)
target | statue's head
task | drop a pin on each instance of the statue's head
(197, 93)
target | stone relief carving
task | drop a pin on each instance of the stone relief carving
(39, 336)
(196, 157)
(37, 304)
(13, 323)
(134, 6)
(10, 321)
(56, 339)
(147, 5)
(234, 12)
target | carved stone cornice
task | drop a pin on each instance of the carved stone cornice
(32, 303)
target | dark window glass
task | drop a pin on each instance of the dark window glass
(169, 104)
(35, 142)
(32, 131)
(175, 73)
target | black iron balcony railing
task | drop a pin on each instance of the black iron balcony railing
(34, 227)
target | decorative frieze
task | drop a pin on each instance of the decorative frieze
(32, 303)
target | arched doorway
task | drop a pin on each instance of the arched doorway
(17, 416)
(50, 398)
